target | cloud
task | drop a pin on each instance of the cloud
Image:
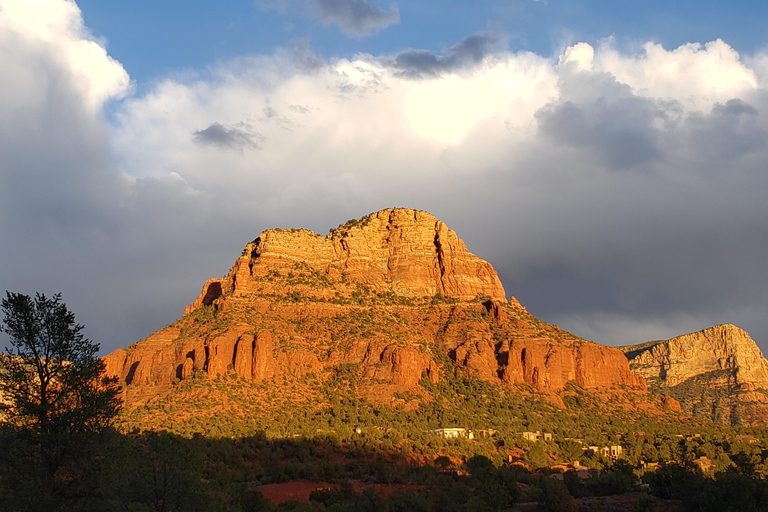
(616, 194)
(605, 187)
(227, 138)
(470, 51)
(694, 74)
(57, 25)
(70, 222)
(356, 18)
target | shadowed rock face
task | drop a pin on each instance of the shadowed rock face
(717, 372)
(395, 297)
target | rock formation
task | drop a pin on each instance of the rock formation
(392, 298)
(405, 252)
(718, 373)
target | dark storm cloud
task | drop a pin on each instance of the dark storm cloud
(602, 116)
(618, 132)
(731, 130)
(471, 50)
(116, 247)
(228, 138)
(630, 256)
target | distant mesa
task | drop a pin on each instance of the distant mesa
(718, 373)
(393, 300)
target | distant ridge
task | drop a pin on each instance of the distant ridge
(718, 373)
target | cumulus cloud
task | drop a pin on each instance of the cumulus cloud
(58, 25)
(694, 74)
(620, 195)
(70, 222)
(356, 18)
(598, 188)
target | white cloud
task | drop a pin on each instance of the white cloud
(581, 55)
(58, 25)
(696, 75)
(614, 192)
(604, 171)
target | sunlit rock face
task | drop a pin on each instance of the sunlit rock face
(718, 372)
(406, 252)
(395, 298)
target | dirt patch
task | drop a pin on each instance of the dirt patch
(300, 491)
(621, 503)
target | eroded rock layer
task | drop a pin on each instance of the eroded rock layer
(406, 252)
(718, 373)
(394, 298)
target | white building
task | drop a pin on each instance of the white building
(453, 432)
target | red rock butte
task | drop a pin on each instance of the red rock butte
(407, 252)
(396, 294)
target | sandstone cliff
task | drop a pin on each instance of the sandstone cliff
(394, 298)
(718, 373)
(405, 252)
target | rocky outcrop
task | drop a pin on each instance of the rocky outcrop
(723, 348)
(388, 301)
(406, 252)
(262, 366)
(714, 372)
(673, 404)
(546, 364)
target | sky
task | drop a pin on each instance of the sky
(609, 160)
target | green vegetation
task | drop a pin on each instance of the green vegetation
(54, 395)
(211, 444)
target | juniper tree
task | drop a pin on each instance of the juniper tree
(52, 383)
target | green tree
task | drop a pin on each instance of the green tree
(645, 503)
(52, 382)
(571, 450)
(537, 456)
(556, 496)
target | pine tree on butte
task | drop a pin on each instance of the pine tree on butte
(52, 383)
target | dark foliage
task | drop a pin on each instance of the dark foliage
(55, 396)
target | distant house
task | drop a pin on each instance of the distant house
(704, 464)
(649, 466)
(537, 436)
(453, 432)
(580, 471)
(612, 452)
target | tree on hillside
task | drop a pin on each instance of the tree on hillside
(52, 384)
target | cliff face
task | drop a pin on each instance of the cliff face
(719, 373)
(406, 252)
(393, 298)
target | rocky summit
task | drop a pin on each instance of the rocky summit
(394, 299)
(718, 373)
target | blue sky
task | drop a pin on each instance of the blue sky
(608, 158)
(153, 39)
